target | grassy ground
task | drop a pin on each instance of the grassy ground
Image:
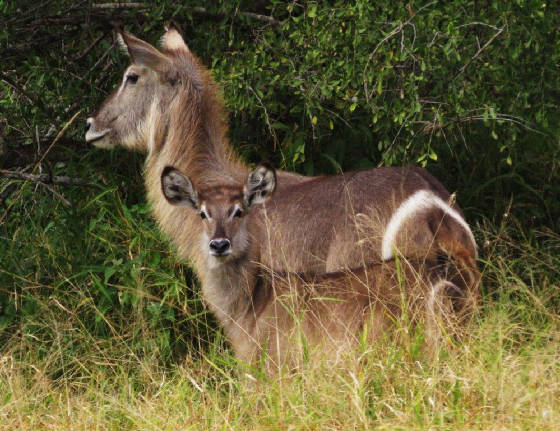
(102, 328)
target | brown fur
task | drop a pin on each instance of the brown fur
(332, 311)
(262, 311)
(317, 224)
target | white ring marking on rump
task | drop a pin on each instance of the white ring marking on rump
(421, 200)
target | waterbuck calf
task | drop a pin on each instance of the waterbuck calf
(263, 312)
(168, 106)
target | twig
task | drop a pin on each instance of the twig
(430, 126)
(34, 44)
(386, 151)
(394, 32)
(16, 87)
(29, 12)
(265, 18)
(45, 178)
(266, 117)
(479, 23)
(6, 191)
(399, 28)
(339, 117)
(58, 20)
(55, 140)
(43, 6)
(31, 98)
(126, 5)
(50, 188)
(89, 48)
(98, 62)
(462, 69)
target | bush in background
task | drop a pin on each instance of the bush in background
(468, 89)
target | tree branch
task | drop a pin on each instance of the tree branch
(265, 18)
(125, 5)
(482, 48)
(45, 178)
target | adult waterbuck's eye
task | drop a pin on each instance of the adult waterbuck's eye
(203, 215)
(132, 78)
(237, 213)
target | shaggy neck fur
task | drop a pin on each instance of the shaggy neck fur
(191, 135)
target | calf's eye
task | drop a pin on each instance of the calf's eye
(237, 213)
(203, 215)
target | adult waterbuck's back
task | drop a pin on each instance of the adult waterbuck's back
(169, 107)
(265, 313)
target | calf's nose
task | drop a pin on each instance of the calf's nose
(220, 246)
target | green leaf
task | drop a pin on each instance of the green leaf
(312, 12)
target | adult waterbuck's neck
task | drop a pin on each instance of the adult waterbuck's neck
(169, 107)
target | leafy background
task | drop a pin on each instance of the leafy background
(468, 89)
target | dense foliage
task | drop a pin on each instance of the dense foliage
(468, 89)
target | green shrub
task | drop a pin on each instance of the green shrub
(468, 89)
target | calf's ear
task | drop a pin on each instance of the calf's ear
(260, 186)
(178, 188)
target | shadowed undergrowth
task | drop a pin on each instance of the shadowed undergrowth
(103, 328)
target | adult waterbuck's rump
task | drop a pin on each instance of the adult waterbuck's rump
(169, 107)
(264, 312)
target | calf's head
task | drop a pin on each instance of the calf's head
(222, 210)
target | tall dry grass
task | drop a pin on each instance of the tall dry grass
(57, 372)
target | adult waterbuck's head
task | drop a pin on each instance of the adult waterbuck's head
(137, 113)
(223, 210)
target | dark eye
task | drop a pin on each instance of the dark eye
(203, 215)
(132, 78)
(237, 213)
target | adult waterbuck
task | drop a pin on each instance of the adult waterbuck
(169, 107)
(263, 313)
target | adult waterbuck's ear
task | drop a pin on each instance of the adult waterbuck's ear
(178, 189)
(260, 185)
(142, 53)
(172, 39)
